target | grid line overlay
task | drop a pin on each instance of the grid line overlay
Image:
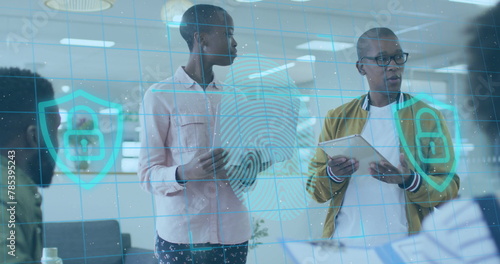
(334, 82)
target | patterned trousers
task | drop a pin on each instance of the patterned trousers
(205, 253)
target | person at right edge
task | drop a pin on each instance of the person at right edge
(467, 230)
(390, 203)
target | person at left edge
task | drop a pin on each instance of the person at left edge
(24, 155)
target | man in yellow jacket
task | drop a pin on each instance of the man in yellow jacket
(390, 203)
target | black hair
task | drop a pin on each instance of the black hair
(200, 18)
(374, 33)
(484, 70)
(20, 92)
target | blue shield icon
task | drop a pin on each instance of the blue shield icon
(84, 137)
(430, 147)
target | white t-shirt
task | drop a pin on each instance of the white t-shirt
(373, 212)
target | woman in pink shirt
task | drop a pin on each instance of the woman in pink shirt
(199, 219)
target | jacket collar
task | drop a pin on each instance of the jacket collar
(366, 102)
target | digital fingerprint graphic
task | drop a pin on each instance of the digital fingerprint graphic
(272, 126)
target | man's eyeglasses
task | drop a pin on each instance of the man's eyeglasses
(384, 60)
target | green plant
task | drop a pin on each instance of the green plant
(81, 123)
(258, 232)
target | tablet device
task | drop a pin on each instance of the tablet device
(356, 147)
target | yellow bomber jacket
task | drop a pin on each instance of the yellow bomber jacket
(350, 118)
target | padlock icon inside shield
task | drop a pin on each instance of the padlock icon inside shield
(432, 144)
(434, 156)
(84, 138)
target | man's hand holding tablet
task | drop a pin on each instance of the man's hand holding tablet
(342, 166)
(386, 172)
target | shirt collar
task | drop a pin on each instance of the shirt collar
(183, 78)
(366, 103)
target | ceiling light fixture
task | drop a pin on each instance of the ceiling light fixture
(65, 88)
(458, 68)
(416, 28)
(477, 2)
(323, 45)
(305, 58)
(87, 42)
(172, 11)
(271, 71)
(80, 5)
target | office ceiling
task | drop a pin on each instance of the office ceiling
(147, 51)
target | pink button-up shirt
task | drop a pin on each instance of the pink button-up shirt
(177, 119)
